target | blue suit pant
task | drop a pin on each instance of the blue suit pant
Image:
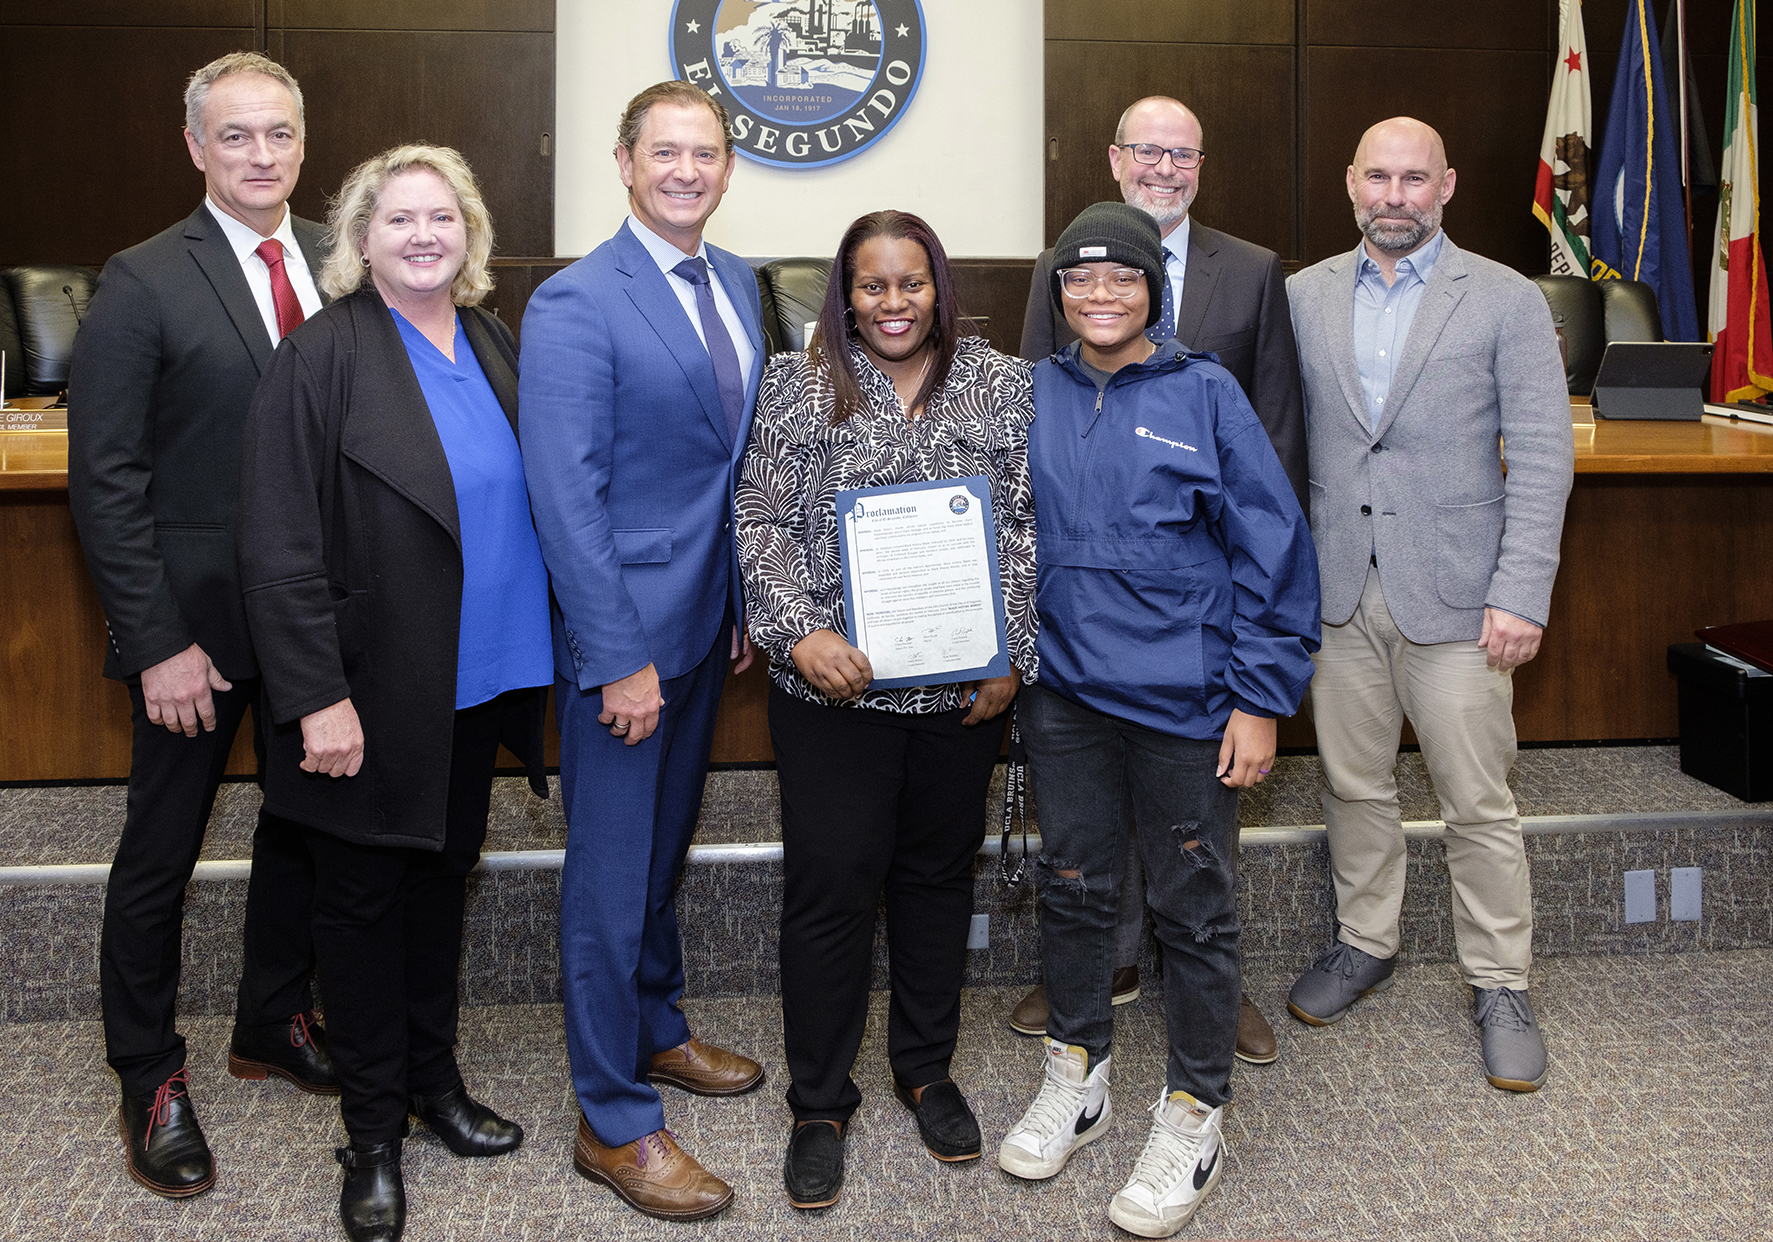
(630, 811)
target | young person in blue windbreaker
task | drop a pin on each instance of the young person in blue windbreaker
(1177, 595)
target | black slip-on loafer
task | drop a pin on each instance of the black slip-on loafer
(944, 1119)
(812, 1171)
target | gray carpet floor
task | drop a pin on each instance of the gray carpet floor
(80, 824)
(1654, 1125)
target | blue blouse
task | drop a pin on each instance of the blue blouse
(505, 643)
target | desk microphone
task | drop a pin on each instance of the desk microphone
(68, 290)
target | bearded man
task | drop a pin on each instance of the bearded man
(1422, 362)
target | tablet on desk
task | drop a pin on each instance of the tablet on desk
(1652, 379)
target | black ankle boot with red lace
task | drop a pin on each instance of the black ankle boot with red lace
(163, 1145)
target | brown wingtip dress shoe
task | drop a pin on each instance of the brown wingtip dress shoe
(652, 1175)
(703, 1069)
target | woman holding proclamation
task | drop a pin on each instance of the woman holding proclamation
(398, 602)
(882, 789)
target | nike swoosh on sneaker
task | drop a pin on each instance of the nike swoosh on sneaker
(1203, 1171)
(1085, 1121)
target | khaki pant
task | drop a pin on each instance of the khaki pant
(1369, 677)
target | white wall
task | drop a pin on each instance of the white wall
(966, 155)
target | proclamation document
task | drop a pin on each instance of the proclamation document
(921, 583)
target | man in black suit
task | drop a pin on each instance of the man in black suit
(1223, 296)
(164, 365)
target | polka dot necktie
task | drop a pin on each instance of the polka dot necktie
(1165, 327)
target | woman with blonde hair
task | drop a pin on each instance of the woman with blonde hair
(398, 602)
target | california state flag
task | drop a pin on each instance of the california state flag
(1742, 364)
(1560, 198)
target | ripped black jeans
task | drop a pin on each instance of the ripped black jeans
(1095, 777)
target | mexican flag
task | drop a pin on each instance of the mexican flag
(1560, 199)
(1742, 363)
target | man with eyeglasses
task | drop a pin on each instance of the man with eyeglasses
(1222, 296)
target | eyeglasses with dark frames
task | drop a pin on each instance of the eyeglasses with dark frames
(1149, 153)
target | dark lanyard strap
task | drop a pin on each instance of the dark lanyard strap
(1015, 805)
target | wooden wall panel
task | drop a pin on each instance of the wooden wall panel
(1166, 21)
(994, 293)
(92, 144)
(490, 95)
(1243, 96)
(127, 13)
(411, 14)
(1522, 25)
(1489, 108)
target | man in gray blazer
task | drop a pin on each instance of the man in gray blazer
(1420, 360)
(1222, 296)
(164, 366)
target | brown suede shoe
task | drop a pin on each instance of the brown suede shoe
(703, 1069)
(1255, 1038)
(652, 1175)
(1029, 1017)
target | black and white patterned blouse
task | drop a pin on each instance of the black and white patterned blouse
(797, 462)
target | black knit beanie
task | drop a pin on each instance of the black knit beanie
(1113, 233)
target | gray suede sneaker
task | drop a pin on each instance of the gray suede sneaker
(1514, 1052)
(1335, 981)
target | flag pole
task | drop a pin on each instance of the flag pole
(1686, 180)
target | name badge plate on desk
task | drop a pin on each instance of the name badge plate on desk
(920, 581)
(27, 415)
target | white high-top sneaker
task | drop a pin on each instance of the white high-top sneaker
(1072, 1109)
(1179, 1167)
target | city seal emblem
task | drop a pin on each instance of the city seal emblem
(806, 82)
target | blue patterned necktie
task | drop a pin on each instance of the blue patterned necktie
(1165, 327)
(720, 344)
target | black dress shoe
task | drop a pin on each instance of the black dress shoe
(944, 1119)
(372, 1204)
(812, 1171)
(294, 1050)
(466, 1126)
(163, 1145)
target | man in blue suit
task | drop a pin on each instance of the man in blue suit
(640, 365)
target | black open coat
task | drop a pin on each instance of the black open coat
(351, 562)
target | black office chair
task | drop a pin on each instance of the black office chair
(40, 309)
(1596, 313)
(1630, 312)
(1578, 302)
(793, 292)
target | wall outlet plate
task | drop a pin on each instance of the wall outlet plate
(1683, 894)
(1640, 896)
(979, 935)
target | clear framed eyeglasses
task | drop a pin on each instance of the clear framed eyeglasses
(1122, 282)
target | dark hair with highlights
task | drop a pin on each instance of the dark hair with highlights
(829, 348)
(673, 91)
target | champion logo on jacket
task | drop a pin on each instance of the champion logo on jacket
(1149, 434)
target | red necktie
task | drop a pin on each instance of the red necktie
(283, 294)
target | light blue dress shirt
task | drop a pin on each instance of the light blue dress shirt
(1382, 315)
(667, 257)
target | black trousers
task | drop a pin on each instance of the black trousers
(172, 787)
(874, 802)
(388, 931)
